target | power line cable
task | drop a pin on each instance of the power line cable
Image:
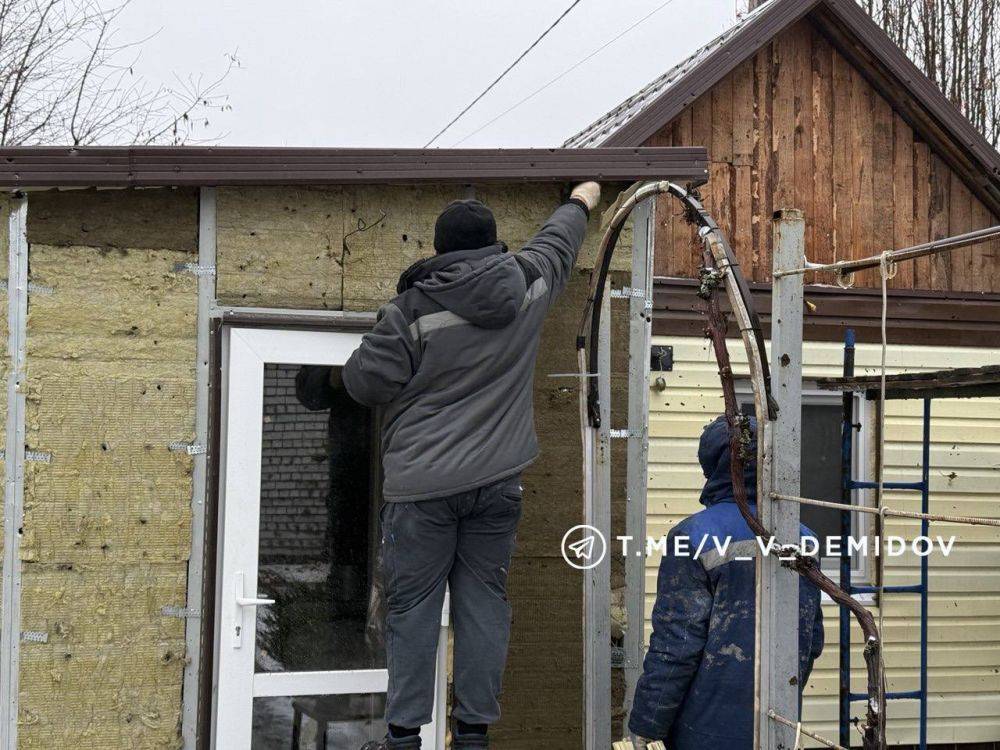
(500, 77)
(562, 75)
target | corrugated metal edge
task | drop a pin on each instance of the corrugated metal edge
(716, 65)
(605, 126)
(151, 166)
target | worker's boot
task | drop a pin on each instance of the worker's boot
(393, 743)
(469, 741)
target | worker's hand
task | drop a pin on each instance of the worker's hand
(589, 193)
(336, 379)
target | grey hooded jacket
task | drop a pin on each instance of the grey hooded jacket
(452, 357)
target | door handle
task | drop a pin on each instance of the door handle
(245, 602)
(242, 601)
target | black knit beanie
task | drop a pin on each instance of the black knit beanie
(464, 225)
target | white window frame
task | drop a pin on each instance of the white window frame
(244, 354)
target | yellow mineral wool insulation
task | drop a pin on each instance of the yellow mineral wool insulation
(110, 385)
(280, 247)
(391, 244)
(103, 603)
(115, 218)
(109, 675)
(114, 305)
(285, 247)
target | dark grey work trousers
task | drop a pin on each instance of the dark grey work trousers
(465, 541)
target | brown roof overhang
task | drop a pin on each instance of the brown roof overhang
(161, 166)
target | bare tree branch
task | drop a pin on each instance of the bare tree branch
(65, 79)
(954, 42)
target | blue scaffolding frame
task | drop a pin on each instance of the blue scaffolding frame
(849, 486)
(970, 382)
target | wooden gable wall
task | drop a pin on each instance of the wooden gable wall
(797, 126)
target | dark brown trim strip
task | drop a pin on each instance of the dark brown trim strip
(39, 167)
(248, 317)
(915, 317)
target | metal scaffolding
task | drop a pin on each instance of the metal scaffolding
(777, 406)
(959, 383)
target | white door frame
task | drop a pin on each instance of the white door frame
(245, 350)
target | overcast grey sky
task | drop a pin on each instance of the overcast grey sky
(364, 73)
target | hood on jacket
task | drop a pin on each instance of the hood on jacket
(713, 454)
(485, 286)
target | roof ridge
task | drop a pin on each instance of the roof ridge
(588, 136)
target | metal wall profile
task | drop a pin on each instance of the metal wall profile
(640, 333)
(777, 585)
(199, 476)
(10, 605)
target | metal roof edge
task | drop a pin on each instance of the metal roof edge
(24, 167)
(744, 43)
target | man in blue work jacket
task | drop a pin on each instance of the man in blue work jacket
(696, 690)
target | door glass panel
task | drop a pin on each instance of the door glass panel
(319, 483)
(347, 721)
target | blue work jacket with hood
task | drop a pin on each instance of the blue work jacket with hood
(696, 690)
(451, 361)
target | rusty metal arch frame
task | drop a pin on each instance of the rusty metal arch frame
(721, 269)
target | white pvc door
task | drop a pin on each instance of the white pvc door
(298, 534)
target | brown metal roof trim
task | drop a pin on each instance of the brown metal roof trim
(37, 167)
(860, 39)
(915, 317)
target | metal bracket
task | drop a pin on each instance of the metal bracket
(192, 449)
(625, 434)
(627, 292)
(33, 288)
(41, 456)
(34, 636)
(194, 268)
(172, 610)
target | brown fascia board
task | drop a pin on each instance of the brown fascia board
(743, 45)
(164, 166)
(935, 318)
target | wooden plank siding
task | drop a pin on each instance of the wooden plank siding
(797, 125)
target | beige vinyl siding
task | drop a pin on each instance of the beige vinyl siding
(964, 651)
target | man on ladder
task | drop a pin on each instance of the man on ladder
(451, 364)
